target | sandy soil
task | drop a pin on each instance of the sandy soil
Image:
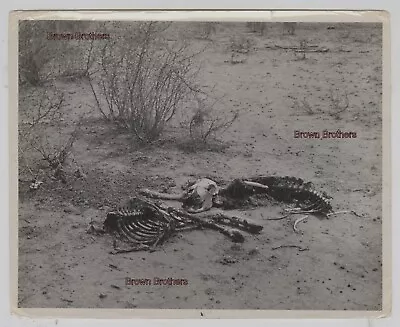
(62, 266)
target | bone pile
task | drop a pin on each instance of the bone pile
(204, 194)
(145, 225)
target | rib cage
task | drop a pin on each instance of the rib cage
(146, 225)
(143, 223)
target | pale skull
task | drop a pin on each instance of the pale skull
(199, 196)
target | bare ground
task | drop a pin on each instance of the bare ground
(60, 265)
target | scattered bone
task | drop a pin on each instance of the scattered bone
(344, 211)
(66, 300)
(254, 184)
(35, 185)
(298, 221)
(290, 246)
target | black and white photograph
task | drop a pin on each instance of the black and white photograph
(209, 164)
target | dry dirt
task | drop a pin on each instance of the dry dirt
(60, 265)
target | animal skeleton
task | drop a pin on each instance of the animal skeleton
(204, 194)
(146, 225)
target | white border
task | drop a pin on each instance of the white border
(388, 5)
(304, 16)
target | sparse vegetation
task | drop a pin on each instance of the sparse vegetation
(339, 102)
(303, 106)
(42, 144)
(240, 44)
(142, 83)
(139, 77)
(240, 47)
(300, 51)
(206, 126)
(34, 52)
(206, 30)
(257, 27)
(41, 58)
(289, 28)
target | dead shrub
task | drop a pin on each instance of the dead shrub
(256, 27)
(79, 61)
(240, 44)
(339, 102)
(303, 106)
(239, 47)
(206, 125)
(143, 80)
(41, 57)
(33, 52)
(289, 28)
(206, 29)
(42, 146)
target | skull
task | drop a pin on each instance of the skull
(199, 196)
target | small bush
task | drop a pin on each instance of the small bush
(303, 106)
(239, 47)
(339, 102)
(206, 30)
(41, 58)
(41, 145)
(240, 44)
(289, 28)
(144, 80)
(33, 52)
(206, 124)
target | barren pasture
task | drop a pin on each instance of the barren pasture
(277, 92)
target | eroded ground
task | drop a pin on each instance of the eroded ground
(60, 265)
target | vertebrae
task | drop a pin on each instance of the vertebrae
(292, 189)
